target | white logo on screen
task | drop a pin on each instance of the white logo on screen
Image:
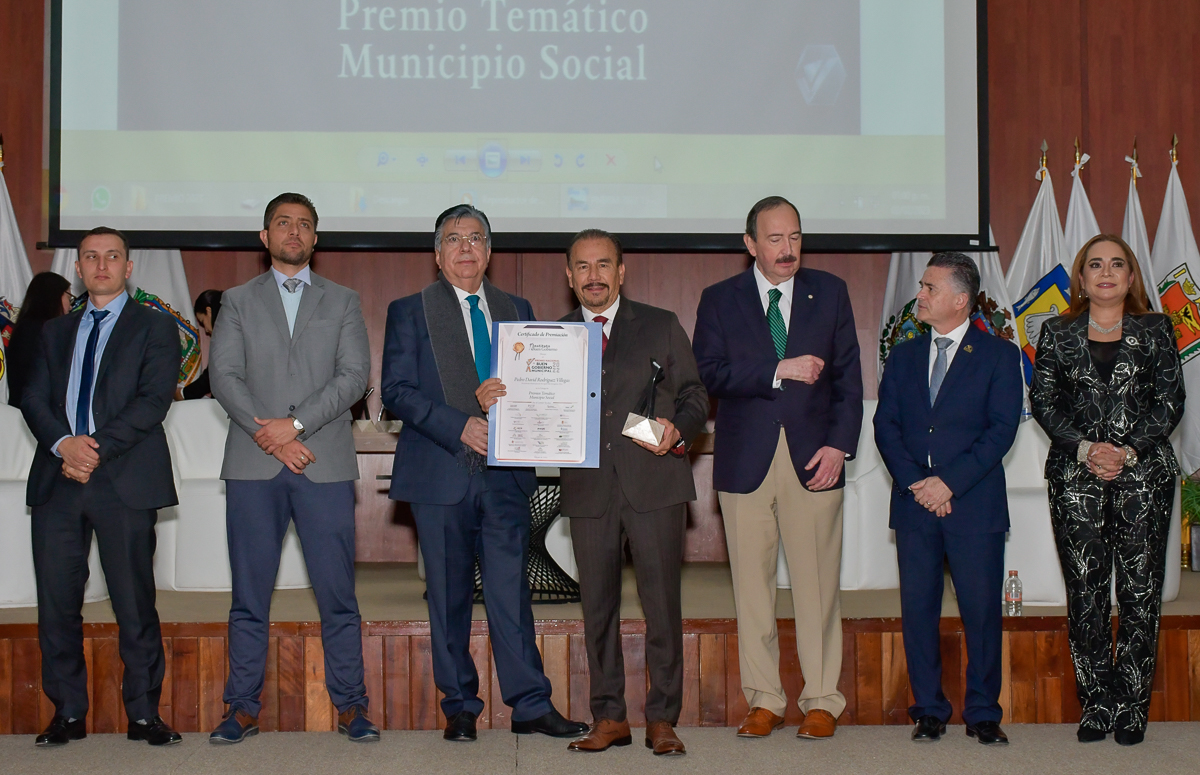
(820, 74)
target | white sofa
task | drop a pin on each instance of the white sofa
(18, 588)
(193, 553)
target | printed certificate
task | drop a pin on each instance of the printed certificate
(551, 413)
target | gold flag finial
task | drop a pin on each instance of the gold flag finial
(1042, 171)
(1133, 168)
(1078, 152)
(1, 151)
(1174, 148)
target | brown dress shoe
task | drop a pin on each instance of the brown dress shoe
(817, 725)
(759, 723)
(661, 738)
(604, 734)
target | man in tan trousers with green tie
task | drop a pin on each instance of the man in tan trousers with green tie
(776, 345)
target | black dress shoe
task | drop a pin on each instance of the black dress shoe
(62, 731)
(552, 724)
(1090, 734)
(1129, 736)
(928, 729)
(460, 727)
(154, 731)
(988, 733)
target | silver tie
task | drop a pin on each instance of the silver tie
(292, 283)
(939, 368)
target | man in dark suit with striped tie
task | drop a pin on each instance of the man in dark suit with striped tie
(102, 382)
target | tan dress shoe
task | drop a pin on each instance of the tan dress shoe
(817, 725)
(661, 738)
(759, 723)
(604, 734)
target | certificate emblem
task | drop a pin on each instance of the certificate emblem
(518, 348)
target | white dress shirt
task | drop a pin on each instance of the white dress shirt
(956, 337)
(610, 313)
(785, 304)
(291, 301)
(466, 311)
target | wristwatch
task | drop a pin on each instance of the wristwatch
(1131, 457)
(299, 426)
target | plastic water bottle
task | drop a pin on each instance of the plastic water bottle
(1012, 595)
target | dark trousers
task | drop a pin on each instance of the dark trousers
(656, 542)
(256, 517)
(493, 518)
(977, 568)
(62, 539)
(1097, 526)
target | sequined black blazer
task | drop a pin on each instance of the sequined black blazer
(1139, 407)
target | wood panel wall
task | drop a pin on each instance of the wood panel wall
(1038, 682)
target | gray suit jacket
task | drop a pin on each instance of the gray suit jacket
(258, 370)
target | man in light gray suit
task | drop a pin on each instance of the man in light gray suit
(289, 357)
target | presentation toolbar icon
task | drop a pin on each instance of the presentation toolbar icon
(493, 160)
(101, 198)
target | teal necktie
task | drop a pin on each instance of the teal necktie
(775, 321)
(483, 345)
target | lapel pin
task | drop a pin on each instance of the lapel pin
(968, 349)
(1129, 340)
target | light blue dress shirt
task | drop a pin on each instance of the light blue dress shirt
(291, 301)
(85, 329)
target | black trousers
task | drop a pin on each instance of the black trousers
(656, 542)
(62, 538)
(1098, 527)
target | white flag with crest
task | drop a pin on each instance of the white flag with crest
(1041, 246)
(1081, 223)
(158, 281)
(1133, 231)
(1175, 261)
(15, 275)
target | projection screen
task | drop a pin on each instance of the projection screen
(661, 120)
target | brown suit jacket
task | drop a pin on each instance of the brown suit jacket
(640, 333)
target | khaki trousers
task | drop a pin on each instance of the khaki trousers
(810, 524)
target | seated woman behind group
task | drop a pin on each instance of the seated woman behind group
(208, 304)
(1108, 390)
(48, 296)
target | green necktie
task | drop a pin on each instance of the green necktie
(775, 321)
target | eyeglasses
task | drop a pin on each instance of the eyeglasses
(454, 240)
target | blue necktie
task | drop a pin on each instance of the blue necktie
(483, 344)
(83, 407)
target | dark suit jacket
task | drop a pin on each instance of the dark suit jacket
(1139, 407)
(135, 384)
(966, 433)
(640, 333)
(19, 357)
(426, 469)
(737, 361)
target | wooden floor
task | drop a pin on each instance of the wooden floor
(1038, 683)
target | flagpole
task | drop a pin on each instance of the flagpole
(1133, 167)
(1043, 171)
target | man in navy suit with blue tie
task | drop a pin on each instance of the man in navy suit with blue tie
(436, 352)
(949, 406)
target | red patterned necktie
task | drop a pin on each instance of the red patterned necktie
(602, 320)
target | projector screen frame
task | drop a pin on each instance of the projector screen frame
(422, 241)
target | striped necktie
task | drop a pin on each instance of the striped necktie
(83, 407)
(775, 321)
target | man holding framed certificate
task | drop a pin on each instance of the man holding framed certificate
(437, 349)
(638, 492)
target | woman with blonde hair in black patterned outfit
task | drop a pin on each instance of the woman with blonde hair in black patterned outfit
(1108, 390)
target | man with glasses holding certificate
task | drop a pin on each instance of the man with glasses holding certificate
(437, 351)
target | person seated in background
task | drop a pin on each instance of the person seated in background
(208, 304)
(48, 296)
